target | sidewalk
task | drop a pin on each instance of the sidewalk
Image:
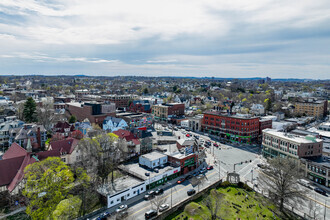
(13, 212)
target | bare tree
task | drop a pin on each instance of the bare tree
(313, 210)
(158, 201)
(213, 204)
(281, 180)
(46, 115)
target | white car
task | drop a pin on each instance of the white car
(163, 207)
(121, 208)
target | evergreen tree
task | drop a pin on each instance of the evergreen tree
(29, 112)
(72, 119)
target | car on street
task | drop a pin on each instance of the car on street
(121, 208)
(163, 207)
(150, 214)
(181, 180)
(321, 191)
(191, 192)
(149, 195)
(262, 166)
(305, 183)
(147, 174)
(189, 177)
(204, 170)
(215, 145)
(210, 167)
(159, 191)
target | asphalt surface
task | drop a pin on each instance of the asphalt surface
(225, 156)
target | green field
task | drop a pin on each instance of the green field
(234, 205)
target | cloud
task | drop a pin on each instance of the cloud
(177, 35)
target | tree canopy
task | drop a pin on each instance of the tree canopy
(29, 112)
(47, 183)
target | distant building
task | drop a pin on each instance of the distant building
(140, 106)
(36, 134)
(234, 128)
(257, 109)
(313, 108)
(195, 123)
(283, 144)
(112, 124)
(153, 160)
(119, 100)
(63, 128)
(93, 111)
(79, 94)
(318, 170)
(130, 143)
(168, 112)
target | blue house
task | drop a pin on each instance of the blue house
(112, 124)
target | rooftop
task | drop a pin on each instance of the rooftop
(295, 138)
(239, 116)
(119, 185)
(153, 155)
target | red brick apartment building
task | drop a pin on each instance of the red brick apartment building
(120, 100)
(186, 162)
(169, 111)
(234, 128)
(92, 111)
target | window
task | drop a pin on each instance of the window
(134, 192)
(111, 202)
(117, 200)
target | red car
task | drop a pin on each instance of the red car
(209, 167)
(181, 180)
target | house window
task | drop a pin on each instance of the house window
(63, 159)
(134, 192)
(111, 202)
(117, 200)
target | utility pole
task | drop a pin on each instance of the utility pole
(171, 197)
(325, 208)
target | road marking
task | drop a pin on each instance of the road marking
(210, 174)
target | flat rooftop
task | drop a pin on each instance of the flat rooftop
(231, 116)
(179, 155)
(119, 185)
(153, 155)
(136, 170)
(292, 137)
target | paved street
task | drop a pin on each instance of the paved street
(225, 156)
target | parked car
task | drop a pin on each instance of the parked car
(159, 191)
(150, 214)
(191, 192)
(121, 208)
(305, 183)
(262, 166)
(189, 177)
(163, 207)
(147, 174)
(203, 171)
(210, 167)
(215, 145)
(321, 191)
(181, 180)
(156, 170)
(150, 195)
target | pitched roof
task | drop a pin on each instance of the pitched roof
(14, 151)
(127, 135)
(66, 145)
(113, 119)
(9, 168)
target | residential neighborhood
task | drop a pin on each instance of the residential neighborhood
(131, 143)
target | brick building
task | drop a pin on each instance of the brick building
(140, 106)
(120, 100)
(283, 144)
(234, 128)
(170, 111)
(313, 108)
(186, 162)
(92, 111)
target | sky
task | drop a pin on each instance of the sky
(199, 38)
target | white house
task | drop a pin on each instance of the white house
(112, 124)
(185, 123)
(257, 109)
(153, 159)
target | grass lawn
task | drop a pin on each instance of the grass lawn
(234, 205)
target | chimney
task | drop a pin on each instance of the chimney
(38, 137)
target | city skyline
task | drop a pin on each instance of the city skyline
(239, 39)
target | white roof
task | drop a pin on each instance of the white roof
(292, 137)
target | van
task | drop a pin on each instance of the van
(149, 214)
(305, 183)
